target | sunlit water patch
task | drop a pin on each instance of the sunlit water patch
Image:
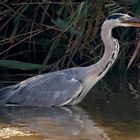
(7, 132)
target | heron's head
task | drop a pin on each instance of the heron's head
(119, 19)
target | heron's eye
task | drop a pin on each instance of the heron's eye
(121, 18)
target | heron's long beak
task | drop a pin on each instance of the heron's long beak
(135, 22)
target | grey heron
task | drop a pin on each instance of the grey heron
(68, 86)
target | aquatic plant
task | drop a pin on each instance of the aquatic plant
(50, 35)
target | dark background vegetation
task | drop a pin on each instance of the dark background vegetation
(52, 35)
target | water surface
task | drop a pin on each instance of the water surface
(111, 111)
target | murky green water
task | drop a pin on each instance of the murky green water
(110, 112)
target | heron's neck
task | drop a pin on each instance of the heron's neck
(110, 52)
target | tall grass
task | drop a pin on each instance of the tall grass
(50, 35)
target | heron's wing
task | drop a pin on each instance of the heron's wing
(46, 90)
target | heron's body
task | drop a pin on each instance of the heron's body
(69, 86)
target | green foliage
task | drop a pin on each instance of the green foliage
(60, 34)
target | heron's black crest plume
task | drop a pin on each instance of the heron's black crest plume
(115, 16)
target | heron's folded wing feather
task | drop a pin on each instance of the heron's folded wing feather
(46, 90)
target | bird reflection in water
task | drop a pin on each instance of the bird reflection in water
(54, 123)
